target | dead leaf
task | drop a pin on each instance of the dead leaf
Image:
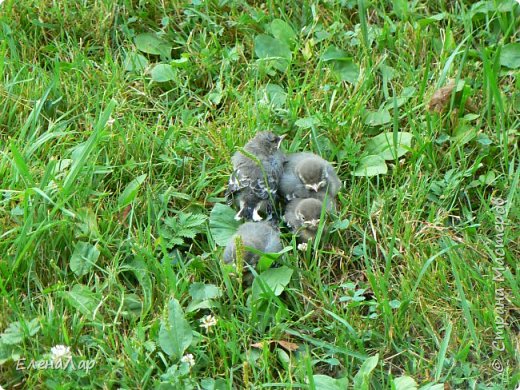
(258, 345)
(287, 345)
(126, 211)
(470, 105)
(123, 214)
(441, 98)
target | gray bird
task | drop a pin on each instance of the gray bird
(253, 185)
(307, 175)
(303, 216)
(258, 235)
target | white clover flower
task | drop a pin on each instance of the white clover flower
(302, 246)
(208, 321)
(188, 358)
(60, 352)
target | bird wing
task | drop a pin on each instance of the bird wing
(290, 214)
(237, 182)
(334, 182)
(263, 189)
(258, 186)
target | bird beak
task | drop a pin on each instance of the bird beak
(281, 139)
(315, 187)
(312, 223)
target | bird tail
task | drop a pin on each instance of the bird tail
(250, 212)
(245, 213)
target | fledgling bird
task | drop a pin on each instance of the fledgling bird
(259, 235)
(303, 216)
(307, 175)
(253, 185)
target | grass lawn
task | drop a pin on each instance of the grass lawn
(118, 120)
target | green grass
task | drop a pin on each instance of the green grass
(92, 152)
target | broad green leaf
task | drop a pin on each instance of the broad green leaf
(464, 133)
(182, 62)
(332, 53)
(431, 386)
(471, 117)
(162, 73)
(133, 304)
(307, 123)
(212, 384)
(198, 305)
(183, 225)
(216, 95)
(274, 279)
(483, 7)
(406, 94)
(222, 223)
(387, 72)
(135, 62)
(267, 259)
(342, 64)
(15, 333)
(200, 291)
(325, 382)
(383, 145)
(483, 139)
(150, 43)
(340, 224)
(87, 222)
(84, 257)
(405, 383)
(362, 378)
(282, 31)
(510, 56)
(81, 298)
(267, 47)
(139, 268)
(395, 303)
(131, 190)
(186, 221)
(347, 71)
(273, 95)
(175, 335)
(401, 8)
(371, 166)
(488, 178)
(6, 352)
(432, 19)
(378, 118)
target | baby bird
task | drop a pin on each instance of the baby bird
(303, 217)
(259, 235)
(307, 175)
(253, 185)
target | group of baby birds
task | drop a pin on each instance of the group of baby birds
(262, 176)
